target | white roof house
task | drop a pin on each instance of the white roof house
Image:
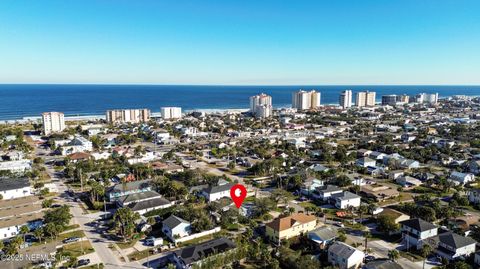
(16, 166)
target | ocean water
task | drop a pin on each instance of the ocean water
(18, 101)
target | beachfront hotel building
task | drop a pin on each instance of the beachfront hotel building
(303, 100)
(128, 115)
(171, 112)
(403, 99)
(430, 98)
(345, 100)
(53, 122)
(389, 100)
(365, 99)
(261, 105)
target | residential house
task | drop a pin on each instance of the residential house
(345, 256)
(325, 192)
(474, 167)
(323, 236)
(14, 155)
(408, 181)
(459, 178)
(174, 227)
(214, 193)
(79, 156)
(10, 226)
(409, 164)
(101, 155)
(310, 185)
(318, 168)
(346, 200)
(406, 138)
(474, 196)
(365, 162)
(145, 157)
(143, 202)
(397, 215)
(453, 246)
(11, 188)
(127, 188)
(393, 175)
(416, 231)
(190, 256)
(379, 192)
(77, 144)
(363, 153)
(375, 155)
(18, 212)
(168, 168)
(16, 167)
(291, 226)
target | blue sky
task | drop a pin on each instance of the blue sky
(240, 42)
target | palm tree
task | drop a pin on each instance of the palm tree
(24, 230)
(393, 254)
(362, 209)
(426, 250)
(38, 233)
(367, 235)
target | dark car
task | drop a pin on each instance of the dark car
(70, 240)
(369, 258)
(83, 262)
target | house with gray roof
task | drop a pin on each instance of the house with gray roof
(325, 192)
(214, 193)
(123, 189)
(187, 257)
(144, 202)
(323, 236)
(365, 162)
(459, 178)
(416, 231)
(11, 188)
(346, 200)
(345, 256)
(195, 254)
(452, 245)
(175, 227)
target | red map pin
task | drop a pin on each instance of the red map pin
(238, 194)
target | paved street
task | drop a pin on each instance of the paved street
(380, 249)
(94, 235)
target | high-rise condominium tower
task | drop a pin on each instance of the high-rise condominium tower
(171, 112)
(389, 100)
(53, 122)
(431, 98)
(365, 99)
(128, 115)
(261, 105)
(346, 99)
(303, 100)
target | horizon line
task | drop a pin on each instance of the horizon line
(234, 85)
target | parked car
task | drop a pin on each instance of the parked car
(70, 240)
(152, 241)
(83, 262)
